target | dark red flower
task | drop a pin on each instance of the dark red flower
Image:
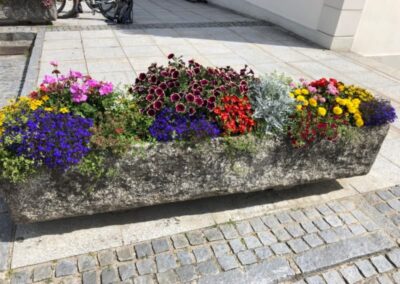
(160, 92)
(175, 74)
(192, 111)
(151, 112)
(198, 101)
(163, 86)
(153, 79)
(142, 76)
(180, 108)
(211, 99)
(149, 97)
(189, 97)
(157, 105)
(204, 82)
(175, 97)
(171, 55)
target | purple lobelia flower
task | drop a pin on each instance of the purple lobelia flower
(377, 112)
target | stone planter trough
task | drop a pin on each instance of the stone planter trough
(162, 173)
(16, 12)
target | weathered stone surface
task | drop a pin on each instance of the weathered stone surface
(26, 11)
(205, 170)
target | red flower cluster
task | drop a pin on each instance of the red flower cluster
(323, 83)
(235, 114)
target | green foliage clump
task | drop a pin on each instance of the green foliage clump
(271, 103)
(239, 145)
(15, 168)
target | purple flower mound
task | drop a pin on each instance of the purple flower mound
(170, 125)
(377, 112)
(57, 141)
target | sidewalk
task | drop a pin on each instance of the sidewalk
(220, 239)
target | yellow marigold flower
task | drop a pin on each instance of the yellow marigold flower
(64, 110)
(359, 122)
(305, 103)
(34, 104)
(313, 102)
(341, 88)
(48, 109)
(297, 92)
(356, 102)
(357, 116)
(352, 109)
(322, 111)
(291, 95)
(301, 98)
(45, 98)
(337, 110)
(305, 92)
(299, 107)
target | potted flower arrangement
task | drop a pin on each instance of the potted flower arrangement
(77, 146)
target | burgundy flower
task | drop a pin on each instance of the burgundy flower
(211, 99)
(189, 73)
(171, 84)
(175, 97)
(180, 108)
(142, 76)
(163, 86)
(151, 112)
(164, 73)
(204, 82)
(149, 97)
(171, 55)
(222, 89)
(197, 93)
(153, 79)
(191, 61)
(217, 93)
(196, 70)
(175, 74)
(152, 90)
(189, 97)
(243, 82)
(157, 105)
(192, 111)
(177, 84)
(160, 92)
(198, 101)
(210, 71)
(210, 106)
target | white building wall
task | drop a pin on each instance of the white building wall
(378, 32)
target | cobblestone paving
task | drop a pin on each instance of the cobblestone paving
(11, 76)
(333, 242)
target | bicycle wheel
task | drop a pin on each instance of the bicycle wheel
(92, 4)
(60, 4)
(115, 10)
(70, 9)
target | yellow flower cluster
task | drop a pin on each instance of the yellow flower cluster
(352, 106)
(353, 91)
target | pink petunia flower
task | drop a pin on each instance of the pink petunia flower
(106, 88)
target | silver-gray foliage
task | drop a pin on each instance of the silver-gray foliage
(271, 102)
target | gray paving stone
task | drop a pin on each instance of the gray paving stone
(324, 210)
(271, 221)
(384, 279)
(274, 271)
(65, 268)
(165, 262)
(295, 230)
(351, 274)
(229, 231)
(220, 249)
(263, 252)
(143, 250)
(329, 236)
(333, 220)
(394, 257)
(146, 266)
(396, 277)
(384, 208)
(144, 279)
(257, 224)
(6, 228)
(298, 216)
(42, 273)
(127, 271)
(396, 219)
(395, 191)
(385, 194)
(196, 238)
(347, 218)
(207, 268)
(336, 207)
(237, 245)
(333, 277)
(185, 257)
(106, 257)
(316, 279)
(168, 277)
(281, 234)
(90, 277)
(357, 229)
(267, 238)
(395, 204)
(160, 245)
(180, 241)
(186, 273)
(283, 217)
(202, 253)
(321, 224)
(86, 262)
(228, 262)
(342, 232)
(109, 276)
(21, 277)
(247, 257)
(298, 245)
(244, 228)
(366, 268)
(232, 276)
(381, 263)
(252, 242)
(313, 240)
(280, 248)
(125, 254)
(213, 234)
(309, 227)
(312, 213)
(373, 198)
(342, 251)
